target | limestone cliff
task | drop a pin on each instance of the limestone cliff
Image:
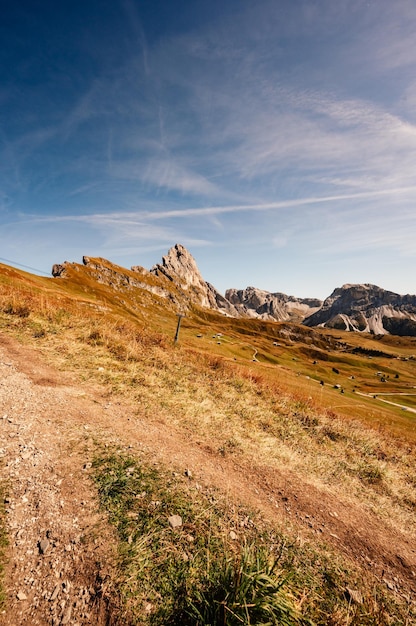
(253, 302)
(367, 308)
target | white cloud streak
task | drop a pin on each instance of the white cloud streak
(131, 218)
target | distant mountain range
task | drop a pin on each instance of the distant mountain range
(360, 308)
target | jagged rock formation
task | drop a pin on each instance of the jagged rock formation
(116, 276)
(58, 269)
(252, 302)
(177, 279)
(180, 267)
(367, 308)
(106, 273)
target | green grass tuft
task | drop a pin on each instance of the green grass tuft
(245, 588)
(194, 574)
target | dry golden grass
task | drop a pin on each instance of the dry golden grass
(232, 408)
(270, 414)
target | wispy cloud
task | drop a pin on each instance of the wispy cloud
(138, 217)
(311, 134)
(164, 173)
(87, 106)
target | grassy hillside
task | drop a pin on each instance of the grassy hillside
(268, 399)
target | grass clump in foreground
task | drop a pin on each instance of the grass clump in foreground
(242, 588)
(193, 574)
(221, 567)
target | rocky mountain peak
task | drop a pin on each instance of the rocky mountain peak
(179, 266)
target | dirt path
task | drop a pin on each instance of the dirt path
(61, 550)
(59, 553)
(376, 397)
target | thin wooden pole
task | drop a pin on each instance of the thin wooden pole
(177, 328)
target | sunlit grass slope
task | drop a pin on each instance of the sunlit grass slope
(265, 395)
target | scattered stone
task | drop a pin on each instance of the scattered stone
(21, 595)
(175, 521)
(233, 535)
(66, 586)
(55, 593)
(389, 584)
(43, 546)
(87, 466)
(66, 616)
(188, 473)
(354, 595)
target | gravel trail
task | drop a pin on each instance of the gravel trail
(58, 552)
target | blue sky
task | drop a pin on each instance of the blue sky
(275, 139)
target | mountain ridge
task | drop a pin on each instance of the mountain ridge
(360, 307)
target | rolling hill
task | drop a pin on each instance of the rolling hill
(267, 438)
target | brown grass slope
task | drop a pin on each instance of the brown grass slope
(313, 428)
